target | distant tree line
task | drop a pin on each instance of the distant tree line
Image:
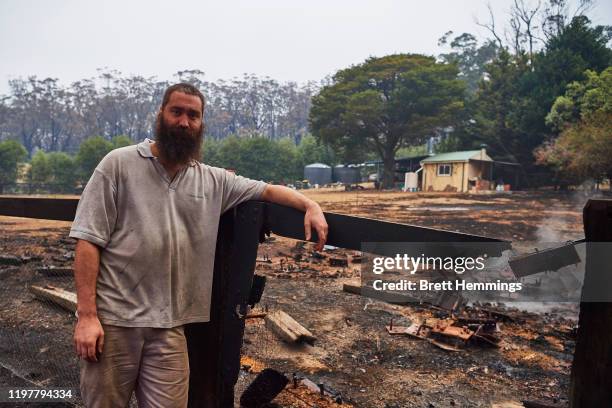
(260, 158)
(42, 114)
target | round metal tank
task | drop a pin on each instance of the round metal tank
(411, 181)
(347, 175)
(318, 173)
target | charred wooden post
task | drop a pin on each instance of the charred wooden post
(591, 378)
(214, 347)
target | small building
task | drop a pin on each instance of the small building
(402, 166)
(457, 171)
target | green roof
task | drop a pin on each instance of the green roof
(457, 157)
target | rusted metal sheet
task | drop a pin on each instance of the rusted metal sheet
(447, 334)
(443, 328)
(422, 332)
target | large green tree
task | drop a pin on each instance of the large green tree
(384, 104)
(584, 117)
(508, 111)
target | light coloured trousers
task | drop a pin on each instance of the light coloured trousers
(153, 362)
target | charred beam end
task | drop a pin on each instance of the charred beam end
(551, 259)
(266, 386)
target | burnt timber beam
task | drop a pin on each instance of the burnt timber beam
(61, 209)
(351, 232)
(344, 231)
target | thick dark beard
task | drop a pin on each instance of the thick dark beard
(177, 145)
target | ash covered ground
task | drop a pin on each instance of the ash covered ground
(353, 354)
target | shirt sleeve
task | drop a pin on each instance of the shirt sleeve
(238, 189)
(96, 212)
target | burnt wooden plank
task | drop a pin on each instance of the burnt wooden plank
(61, 209)
(287, 328)
(59, 296)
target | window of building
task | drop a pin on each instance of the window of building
(445, 169)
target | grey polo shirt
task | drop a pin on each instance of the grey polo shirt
(158, 235)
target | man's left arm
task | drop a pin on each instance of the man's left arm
(313, 218)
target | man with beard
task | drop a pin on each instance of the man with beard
(146, 226)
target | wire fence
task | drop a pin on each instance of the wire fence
(39, 188)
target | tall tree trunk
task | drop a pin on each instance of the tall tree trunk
(388, 169)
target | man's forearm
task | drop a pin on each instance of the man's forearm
(86, 266)
(286, 196)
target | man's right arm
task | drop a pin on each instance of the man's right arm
(88, 333)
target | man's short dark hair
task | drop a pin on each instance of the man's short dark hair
(186, 89)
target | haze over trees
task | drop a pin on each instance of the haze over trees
(42, 114)
(536, 93)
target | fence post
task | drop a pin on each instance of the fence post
(214, 347)
(591, 377)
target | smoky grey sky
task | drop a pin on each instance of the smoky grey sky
(284, 39)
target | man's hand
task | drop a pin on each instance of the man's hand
(88, 338)
(88, 333)
(314, 218)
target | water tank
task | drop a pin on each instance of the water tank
(318, 173)
(347, 175)
(411, 181)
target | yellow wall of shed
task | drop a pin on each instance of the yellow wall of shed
(461, 173)
(456, 179)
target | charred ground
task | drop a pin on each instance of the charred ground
(353, 353)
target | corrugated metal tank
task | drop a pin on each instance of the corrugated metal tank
(347, 175)
(411, 181)
(318, 173)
